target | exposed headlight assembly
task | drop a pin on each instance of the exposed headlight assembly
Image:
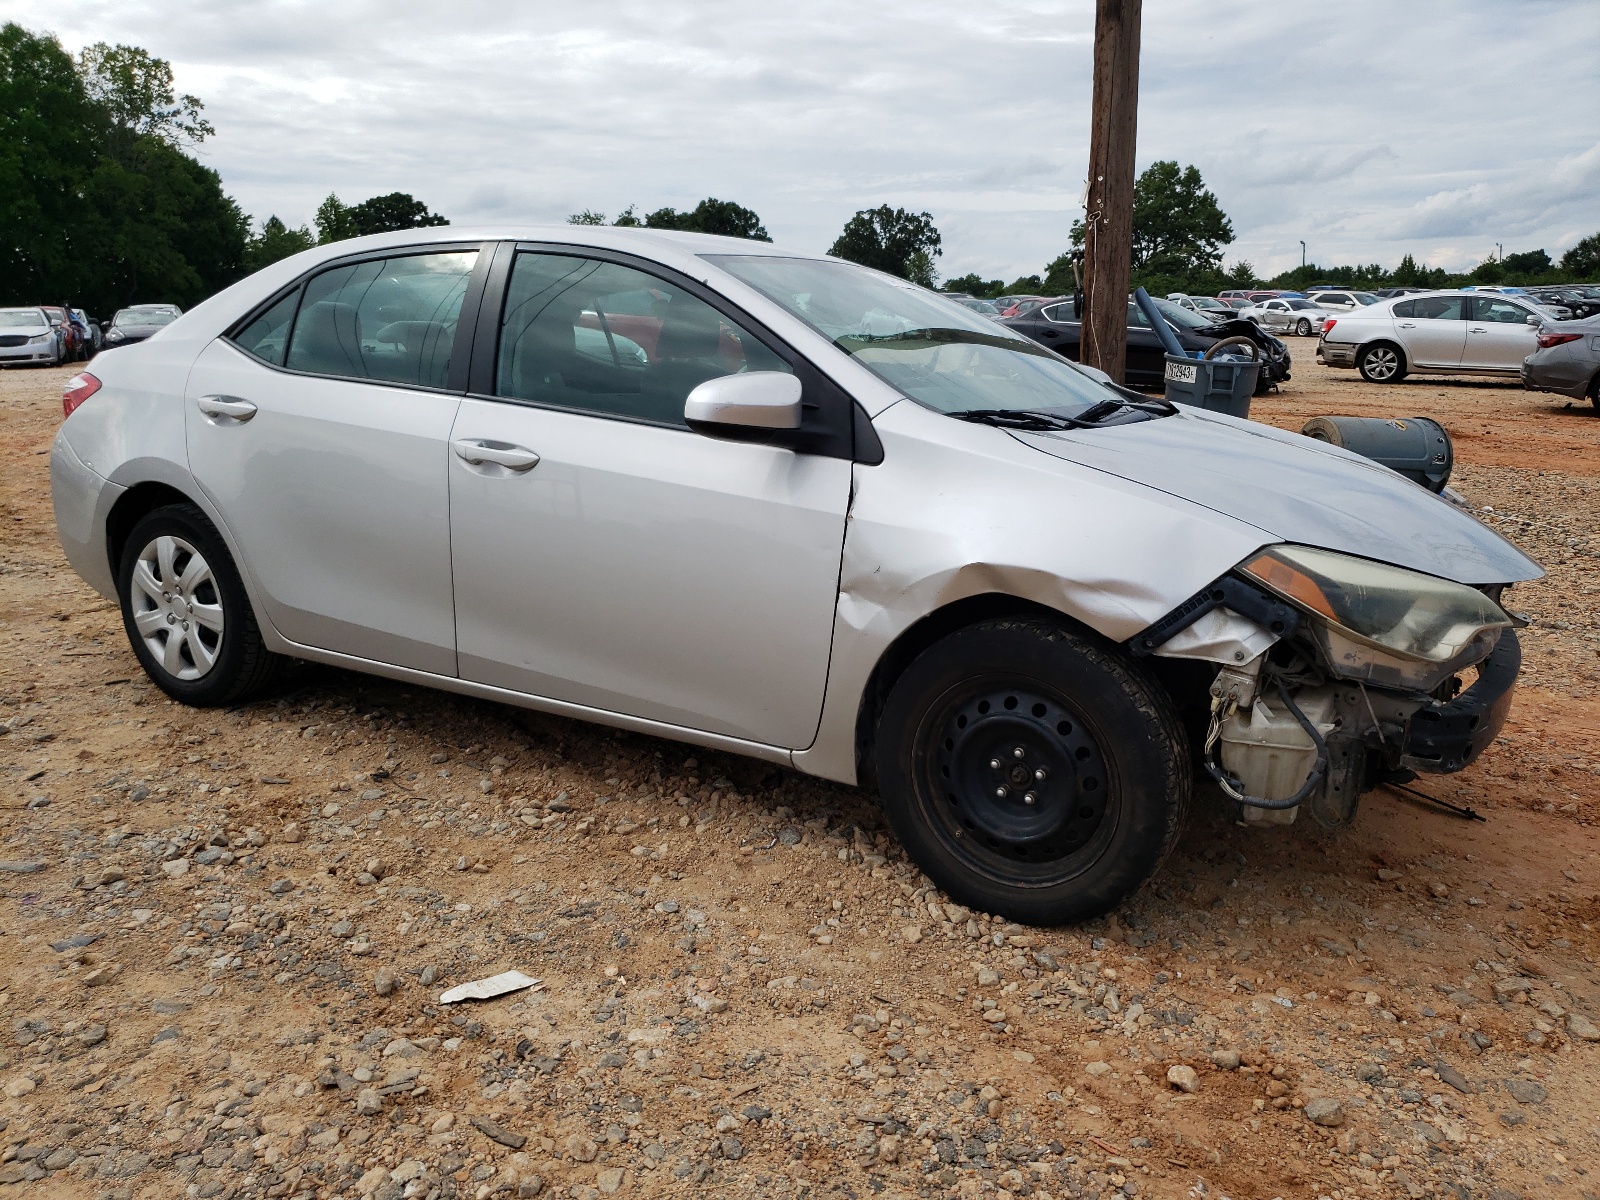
(1380, 624)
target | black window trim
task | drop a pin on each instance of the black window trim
(466, 323)
(846, 436)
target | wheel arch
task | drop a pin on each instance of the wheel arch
(919, 636)
(129, 508)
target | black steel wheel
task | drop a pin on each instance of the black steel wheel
(1032, 771)
(1020, 778)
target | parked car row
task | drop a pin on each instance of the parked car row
(1055, 324)
(50, 334)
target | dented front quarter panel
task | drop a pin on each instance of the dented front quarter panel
(957, 510)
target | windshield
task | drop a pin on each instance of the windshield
(21, 318)
(145, 316)
(980, 306)
(935, 351)
(1365, 297)
(1207, 302)
(1301, 305)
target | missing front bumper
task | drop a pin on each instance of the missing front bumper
(1445, 737)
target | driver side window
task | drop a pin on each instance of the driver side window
(389, 320)
(600, 337)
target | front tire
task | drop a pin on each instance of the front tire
(1031, 771)
(186, 612)
(1381, 362)
(1302, 328)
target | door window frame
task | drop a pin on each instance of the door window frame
(833, 425)
(466, 322)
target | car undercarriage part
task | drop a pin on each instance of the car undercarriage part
(1416, 447)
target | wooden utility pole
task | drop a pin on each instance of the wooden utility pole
(1108, 215)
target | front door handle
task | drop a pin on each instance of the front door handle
(1049, 333)
(1477, 329)
(226, 407)
(512, 458)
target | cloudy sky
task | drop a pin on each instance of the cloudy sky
(1368, 128)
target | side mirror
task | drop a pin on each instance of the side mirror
(1533, 320)
(740, 405)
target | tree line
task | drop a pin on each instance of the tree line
(101, 203)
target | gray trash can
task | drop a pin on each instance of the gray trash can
(1220, 384)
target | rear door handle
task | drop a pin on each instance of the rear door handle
(1408, 324)
(226, 407)
(1477, 329)
(512, 458)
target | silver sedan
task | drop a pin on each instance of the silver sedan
(788, 507)
(1299, 317)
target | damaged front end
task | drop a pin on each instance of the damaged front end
(1339, 674)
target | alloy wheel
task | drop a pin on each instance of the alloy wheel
(177, 607)
(1381, 364)
(1303, 328)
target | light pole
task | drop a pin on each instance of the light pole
(1302, 256)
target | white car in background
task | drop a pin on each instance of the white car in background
(26, 336)
(1344, 301)
(1439, 333)
(1204, 305)
(1290, 315)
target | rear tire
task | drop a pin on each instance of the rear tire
(186, 612)
(1381, 362)
(1068, 827)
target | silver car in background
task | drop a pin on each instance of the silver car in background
(27, 336)
(792, 508)
(1288, 315)
(1566, 361)
(1437, 333)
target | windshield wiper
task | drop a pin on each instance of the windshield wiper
(1021, 418)
(1093, 417)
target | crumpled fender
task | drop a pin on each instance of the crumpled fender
(958, 510)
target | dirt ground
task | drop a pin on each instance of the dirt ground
(224, 936)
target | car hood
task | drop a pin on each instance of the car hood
(1297, 490)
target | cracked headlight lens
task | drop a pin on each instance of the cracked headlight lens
(1381, 624)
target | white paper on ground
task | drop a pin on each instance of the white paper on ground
(488, 989)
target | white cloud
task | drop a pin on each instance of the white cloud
(1368, 128)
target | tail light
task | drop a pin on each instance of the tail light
(1546, 340)
(77, 389)
(1328, 324)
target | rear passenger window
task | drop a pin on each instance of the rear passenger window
(600, 337)
(390, 320)
(1060, 313)
(1440, 308)
(1501, 312)
(266, 336)
(1406, 308)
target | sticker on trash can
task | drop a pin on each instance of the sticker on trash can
(1181, 372)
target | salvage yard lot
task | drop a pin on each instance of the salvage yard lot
(224, 935)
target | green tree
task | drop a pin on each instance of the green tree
(1582, 262)
(1179, 230)
(721, 217)
(1529, 262)
(1058, 277)
(336, 221)
(50, 133)
(891, 240)
(135, 89)
(976, 285)
(275, 241)
(397, 210)
(98, 203)
(333, 221)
